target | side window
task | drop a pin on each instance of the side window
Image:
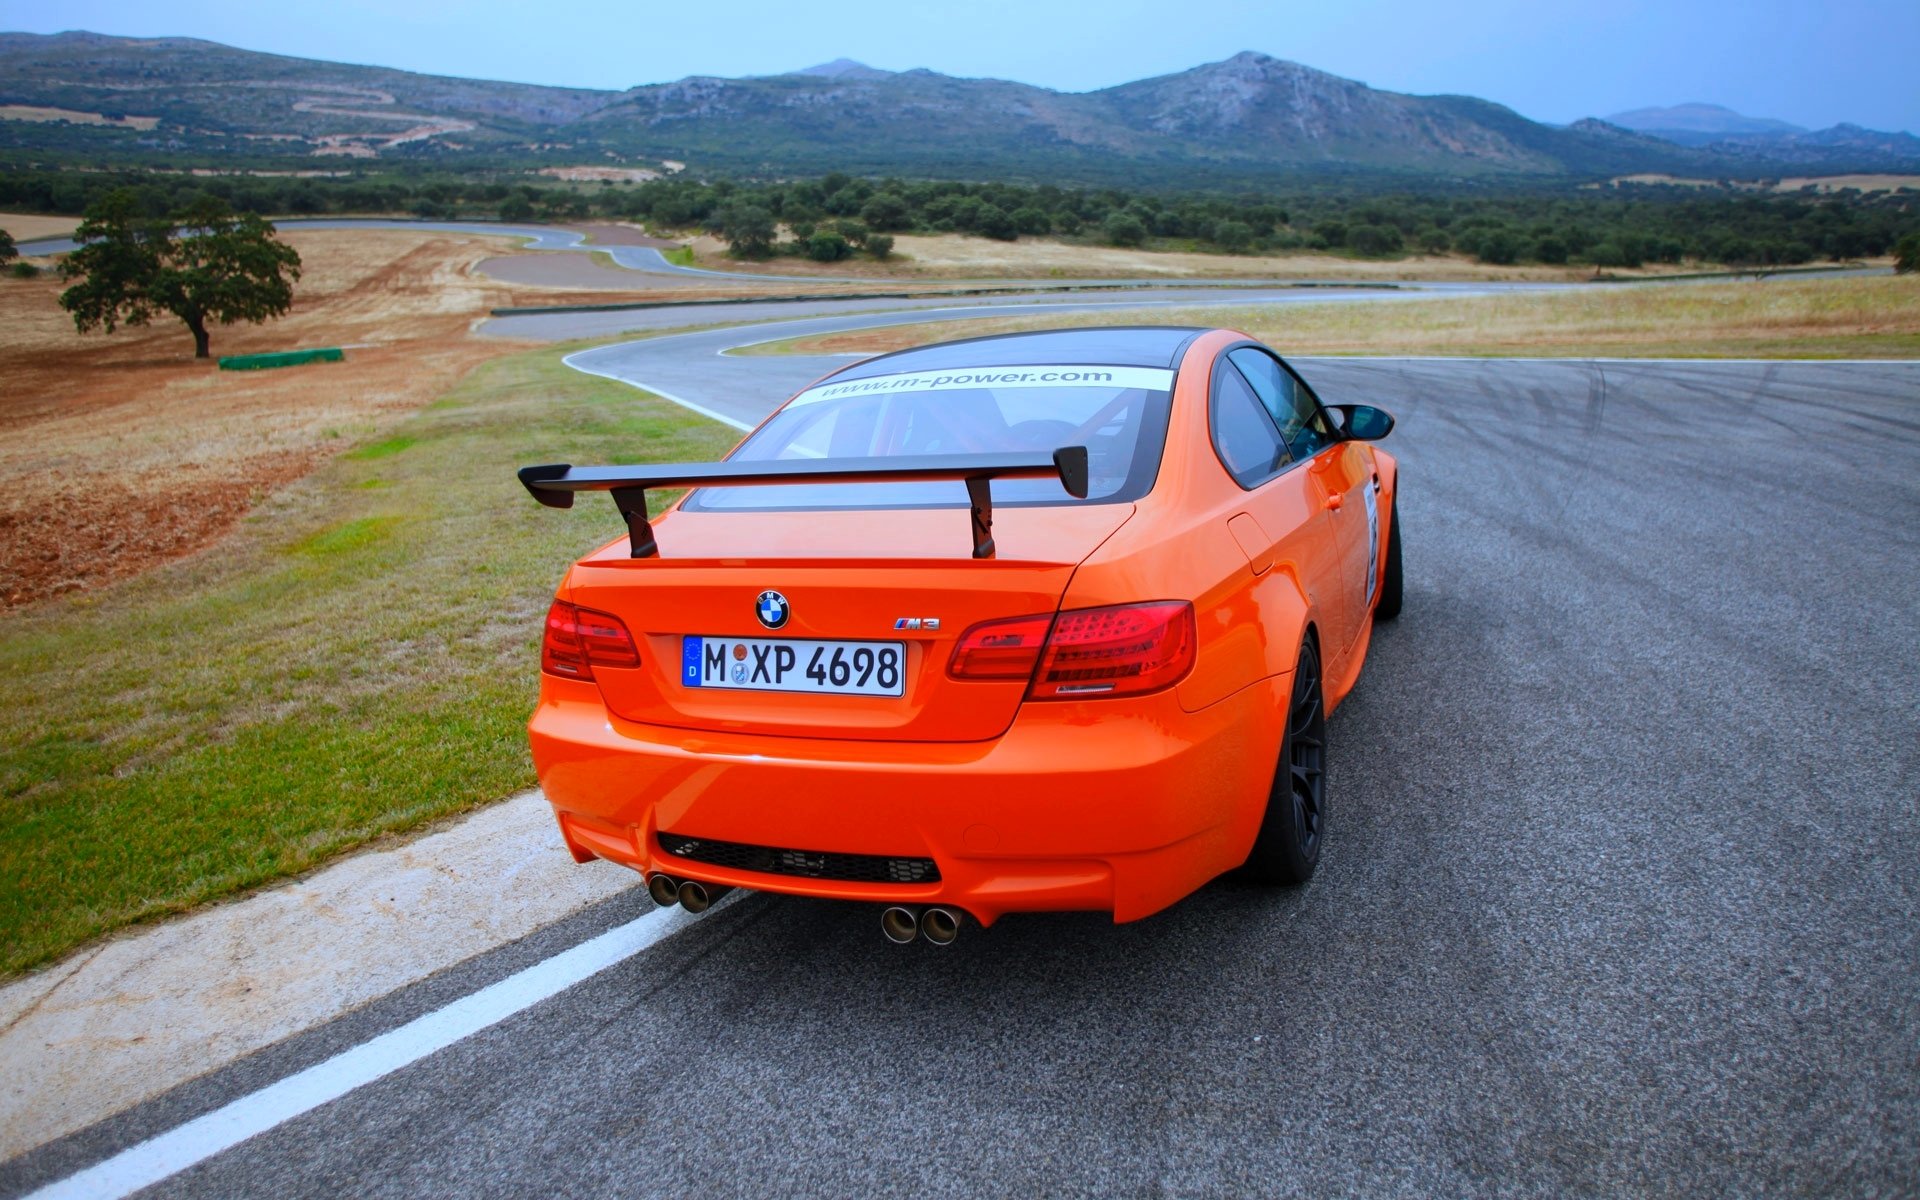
(1292, 406)
(1243, 434)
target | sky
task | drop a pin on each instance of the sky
(1796, 60)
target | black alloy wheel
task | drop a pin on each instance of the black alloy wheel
(1288, 846)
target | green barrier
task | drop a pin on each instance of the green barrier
(285, 358)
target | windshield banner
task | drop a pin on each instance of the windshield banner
(1157, 379)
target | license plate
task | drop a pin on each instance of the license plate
(794, 665)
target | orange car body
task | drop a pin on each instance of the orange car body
(1123, 804)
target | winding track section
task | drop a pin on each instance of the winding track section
(1619, 896)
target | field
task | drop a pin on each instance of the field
(27, 226)
(158, 455)
(353, 662)
(957, 256)
(1862, 317)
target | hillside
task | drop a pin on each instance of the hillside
(1250, 118)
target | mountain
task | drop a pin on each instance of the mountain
(843, 68)
(1699, 124)
(1246, 120)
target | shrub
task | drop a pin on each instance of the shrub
(880, 245)
(1550, 250)
(749, 230)
(853, 231)
(996, 223)
(1124, 229)
(828, 247)
(1030, 220)
(516, 209)
(1434, 240)
(1499, 248)
(1906, 254)
(1374, 241)
(8, 252)
(1233, 236)
(886, 211)
(24, 270)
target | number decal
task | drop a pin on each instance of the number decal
(813, 669)
(863, 663)
(889, 668)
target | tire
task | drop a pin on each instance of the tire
(1387, 604)
(1287, 848)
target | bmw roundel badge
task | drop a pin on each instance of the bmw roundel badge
(772, 609)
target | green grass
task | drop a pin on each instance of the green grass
(382, 449)
(679, 256)
(357, 659)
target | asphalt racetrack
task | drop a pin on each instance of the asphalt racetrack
(1619, 896)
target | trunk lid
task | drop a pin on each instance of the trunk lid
(846, 576)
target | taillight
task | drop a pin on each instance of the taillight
(1008, 649)
(577, 638)
(1125, 650)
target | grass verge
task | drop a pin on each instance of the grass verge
(1860, 317)
(357, 659)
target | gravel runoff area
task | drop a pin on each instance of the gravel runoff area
(1619, 895)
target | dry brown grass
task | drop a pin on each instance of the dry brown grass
(121, 451)
(25, 227)
(37, 112)
(1864, 317)
(956, 256)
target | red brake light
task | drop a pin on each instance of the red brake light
(577, 638)
(1125, 650)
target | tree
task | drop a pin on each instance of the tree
(202, 263)
(516, 208)
(1232, 236)
(750, 230)
(996, 223)
(880, 245)
(827, 247)
(886, 211)
(8, 252)
(1906, 254)
(1124, 229)
(1374, 241)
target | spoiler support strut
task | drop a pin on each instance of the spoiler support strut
(554, 484)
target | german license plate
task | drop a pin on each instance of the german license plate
(794, 665)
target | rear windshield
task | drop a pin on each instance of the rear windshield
(1118, 413)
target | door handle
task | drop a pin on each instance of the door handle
(1335, 500)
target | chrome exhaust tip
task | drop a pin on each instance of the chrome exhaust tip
(940, 926)
(901, 925)
(664, 889)
(697, 897)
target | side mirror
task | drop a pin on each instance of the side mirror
(1362, 422)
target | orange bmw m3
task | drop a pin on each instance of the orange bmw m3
(1047, 621)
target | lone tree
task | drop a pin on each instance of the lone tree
(201, 263)
(7, 250)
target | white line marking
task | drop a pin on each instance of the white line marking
(168, 1154)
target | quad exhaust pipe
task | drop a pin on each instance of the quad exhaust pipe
(902, 924)
(690, 894)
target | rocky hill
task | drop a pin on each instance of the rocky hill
(1248, 119)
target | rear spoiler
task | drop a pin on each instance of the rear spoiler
(554, 484)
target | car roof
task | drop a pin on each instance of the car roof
(1115, 346)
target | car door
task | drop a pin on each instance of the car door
(1341, 480)
(1284, 520)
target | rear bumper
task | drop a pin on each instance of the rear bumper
(1120, 806)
